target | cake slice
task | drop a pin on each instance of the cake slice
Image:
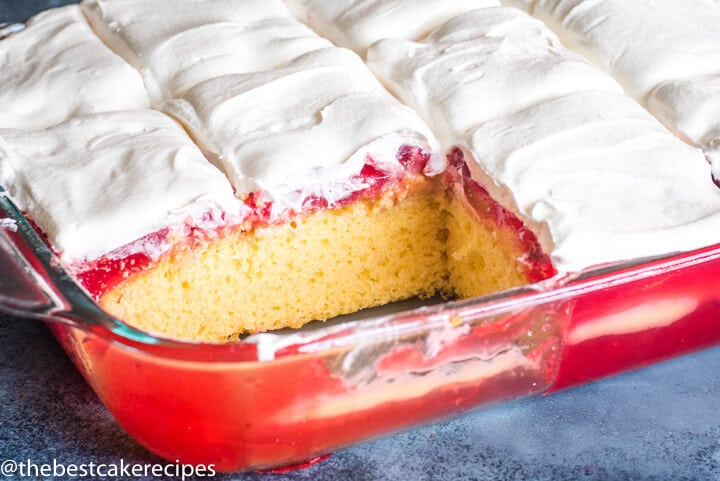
(177, 45)
(122, 193)
(595, 177)
(299, 128)
(336, 170)
(665, 53)
(56, 68)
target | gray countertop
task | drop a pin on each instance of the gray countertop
(661, 423)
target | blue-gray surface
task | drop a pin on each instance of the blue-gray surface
(20, 10)
(662, 423)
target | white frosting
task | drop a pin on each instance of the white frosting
(177, 45)
(357, 24)
(641, 42)
(498, 60)
(305, 127)
(602, 181)
(666, 53)
(56, 69)
(596, 177)
(96, 183)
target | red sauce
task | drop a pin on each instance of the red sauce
(106, 273)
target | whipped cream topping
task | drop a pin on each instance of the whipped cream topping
(665, 53)
(595, 176)
(304, 127)
(499, 60)
(177, 45)
(56, 68)
(96, 183)
(603, 181)
(358, 24)
(641, 42)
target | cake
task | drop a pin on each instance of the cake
(268, 178)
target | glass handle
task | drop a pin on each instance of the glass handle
(34, 284)
(21, 287)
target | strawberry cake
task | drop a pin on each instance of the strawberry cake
(250, 175)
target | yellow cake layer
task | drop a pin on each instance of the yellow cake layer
(482, 257)
(319, 266)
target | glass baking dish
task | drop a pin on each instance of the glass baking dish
(280, 398)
